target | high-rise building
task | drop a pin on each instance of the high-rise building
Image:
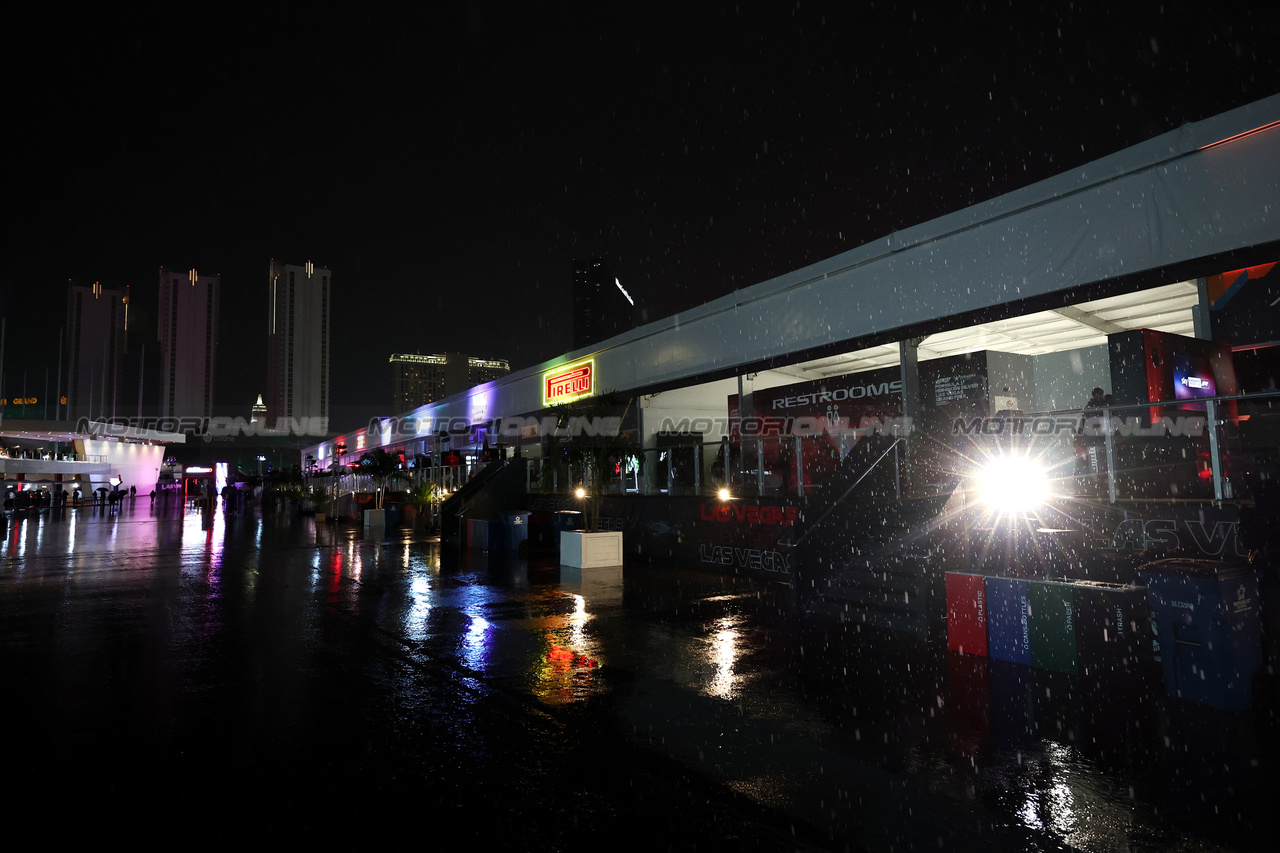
(187, 326)
(258, 414)
(482, 370)
(602, 307)
(420, 379)
(97, 323)
(297, 344)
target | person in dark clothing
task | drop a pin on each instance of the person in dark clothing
(1092, 444)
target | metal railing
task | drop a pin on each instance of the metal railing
(1209, 448)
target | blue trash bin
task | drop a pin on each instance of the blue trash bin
(515, 529)
(1208, 628)
(565, 519)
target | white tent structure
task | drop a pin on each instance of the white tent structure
(1120, 243)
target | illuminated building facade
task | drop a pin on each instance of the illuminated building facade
(97, 323)
(602, 307)
(297, 342)
(419, 379)
(187, 327)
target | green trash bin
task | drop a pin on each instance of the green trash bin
(1053, 626)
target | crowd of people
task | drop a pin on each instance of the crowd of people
(18, 498)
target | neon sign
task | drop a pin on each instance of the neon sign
(569, 383)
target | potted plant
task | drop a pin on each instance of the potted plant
(592, 445)
(383, 469)
(319, 500)
(423, 499)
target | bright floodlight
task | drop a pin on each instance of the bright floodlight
(1012, 484)
(581, 492)
(724, 494)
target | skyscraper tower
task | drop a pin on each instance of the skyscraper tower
(602, 308)
(418, 379)
(187, 326)
(298, 344)
(97, 321)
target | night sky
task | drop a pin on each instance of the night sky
(449, 163)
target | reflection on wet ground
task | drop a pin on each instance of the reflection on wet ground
(237, 673)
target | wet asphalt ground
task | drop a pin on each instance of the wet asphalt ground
(173, 676)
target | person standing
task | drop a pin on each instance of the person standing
(1093, 433)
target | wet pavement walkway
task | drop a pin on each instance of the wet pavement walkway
(235, 678)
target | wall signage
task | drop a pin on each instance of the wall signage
(568, 383)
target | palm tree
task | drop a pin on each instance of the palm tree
(594, 444)
(422, 498)
(383, 468)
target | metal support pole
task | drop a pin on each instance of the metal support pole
(912, 396)
(799, 466)
(760, 467)
(1201, 326)
(897, 472)
(1215, 453)
(1111, 454)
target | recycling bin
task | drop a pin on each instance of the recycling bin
(1008, 620)
(1208, 629)
(966, 613)
(541, 531)
(480, 533)
(565, 519)
(515, 529)
(1052, 625)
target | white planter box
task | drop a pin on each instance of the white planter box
(590, 550)
(375, 518)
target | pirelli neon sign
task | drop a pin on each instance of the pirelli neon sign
(569, 382)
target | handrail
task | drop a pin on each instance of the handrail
(1079, 410)
(846, 492)
(478, 480)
